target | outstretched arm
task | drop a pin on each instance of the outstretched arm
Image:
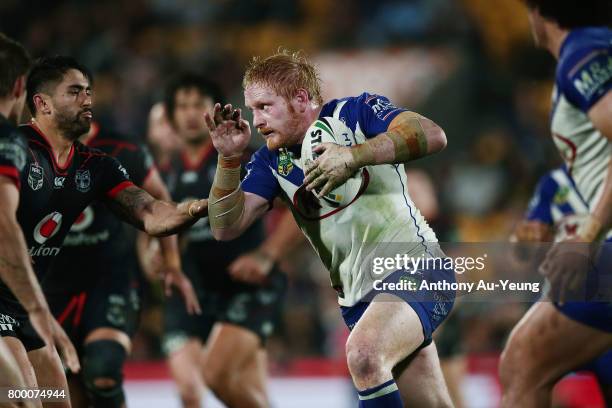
(156, 217)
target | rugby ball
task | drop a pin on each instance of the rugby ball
(331, 130)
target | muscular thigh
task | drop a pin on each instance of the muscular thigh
(553, 344)
(391, 327)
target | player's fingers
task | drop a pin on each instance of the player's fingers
(321, 148)
(190, 297)
(67, 351)
(199, 208)
(168, 285)
(311, 165)
(329, 186)
(210, 124)
(217, 115)
(243, 124)
(312, 172)
(236, 115)
(319, 181)
(227, 112)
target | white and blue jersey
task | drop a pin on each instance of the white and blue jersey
(555, 201)
(583, 77)
(382, 218)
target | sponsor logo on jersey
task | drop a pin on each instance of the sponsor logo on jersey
(83, 221)
(82, 180)
(591, 78)
(47, 227)
(382, 107)
(561, 195)
(44, 251)
(124, 171)
(58, 182)
(285, 165)
(36, 176)
(78, 232)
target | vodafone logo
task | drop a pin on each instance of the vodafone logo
(83, 221)
(47, 227)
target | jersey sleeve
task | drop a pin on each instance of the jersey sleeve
(115, 177)
(138, 163)
(259, 177)
(539, 208)
(375, 113)
(13, 156)
(585, 76)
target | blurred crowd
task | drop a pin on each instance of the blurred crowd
(467, 64)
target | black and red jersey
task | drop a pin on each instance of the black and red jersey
(98, 235)
(12, 151)
(53, 197)
(189, 180)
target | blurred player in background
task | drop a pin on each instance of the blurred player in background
(240, 290)
(554, 213)
(15, 265)
(576, 34)
(99, 309)
(390, 352)
(161, 136)
(61, 179)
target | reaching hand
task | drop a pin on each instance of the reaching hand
(175, 277)
(230, 133)
(332, 168)
(533, 231)
(54, 336)
(253, 267)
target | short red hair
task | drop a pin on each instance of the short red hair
(285, 72)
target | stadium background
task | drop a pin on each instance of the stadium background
(468, 64)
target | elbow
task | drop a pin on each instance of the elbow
(437, 140)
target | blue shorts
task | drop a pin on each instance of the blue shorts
(601, 367)
(432, 306)
(596, 310)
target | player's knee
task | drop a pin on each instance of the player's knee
(102, 372)
(364, 362)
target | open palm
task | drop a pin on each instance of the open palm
(230, 133)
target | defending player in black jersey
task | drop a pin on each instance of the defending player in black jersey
(61, 178)
(240, 296)
(15, 267)
(99, 309)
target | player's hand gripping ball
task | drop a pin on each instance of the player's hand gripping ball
(331, 130)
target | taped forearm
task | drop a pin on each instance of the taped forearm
(405, 140)
(226, 201)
